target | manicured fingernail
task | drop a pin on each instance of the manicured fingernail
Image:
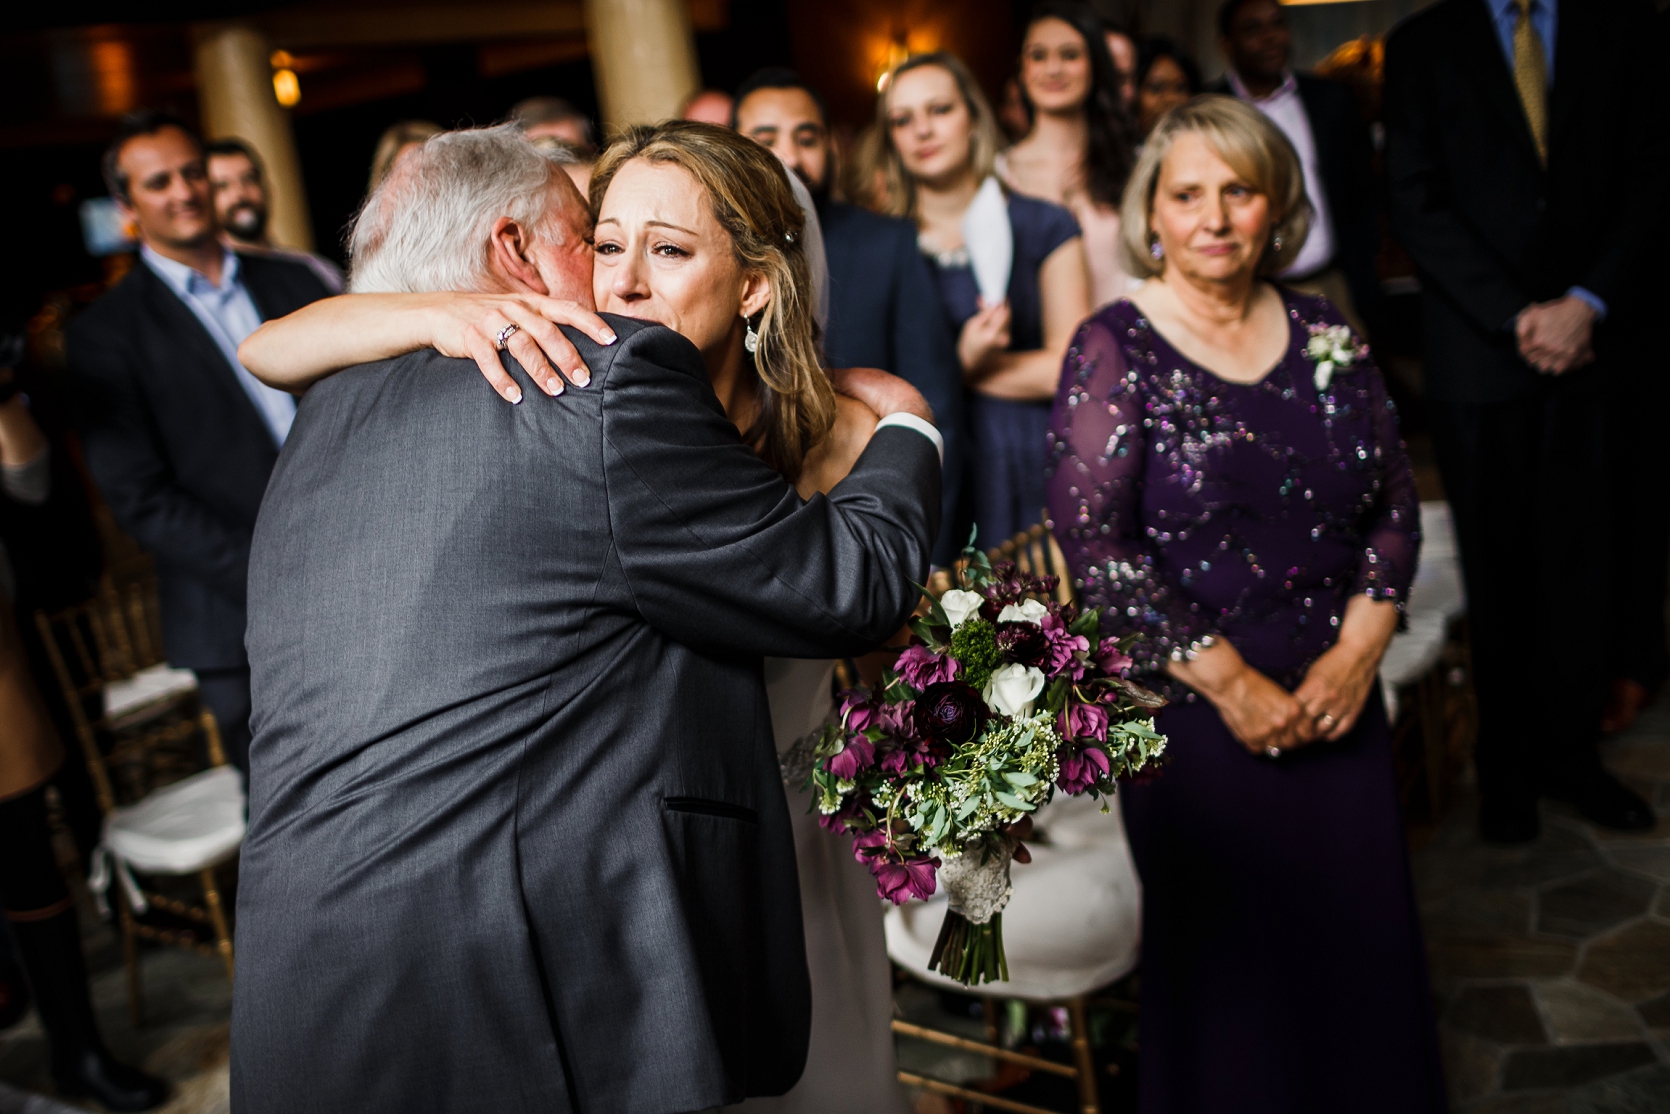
(609, 336)
(513, 393)
(580, 377)
(553, 386)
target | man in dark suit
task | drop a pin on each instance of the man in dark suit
(518, 839)
(1513, 136)
(884, 308)
(1322, 120)
(180, 437)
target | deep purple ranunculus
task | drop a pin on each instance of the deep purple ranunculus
(858, 754)
(858, 711)
(1082, 770)
(1083, 721)
(867, 845)
(950, 712)
(921, 667)
(1064, 649)
(1110, 660)
(1022, 643)
(898, 882)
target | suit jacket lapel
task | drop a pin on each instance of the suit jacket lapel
(1479, 56)
(182, 325)
(1571, 45)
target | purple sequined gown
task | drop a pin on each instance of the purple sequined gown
(1282, 969)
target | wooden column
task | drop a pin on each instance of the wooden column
(235, 91)
(644, 54)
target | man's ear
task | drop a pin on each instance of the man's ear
(510, 255)
(756, 293)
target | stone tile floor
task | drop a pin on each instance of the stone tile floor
(188, 1007)
(1551, 961)
(1550, 967)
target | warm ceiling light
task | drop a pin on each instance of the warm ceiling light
(286, 88)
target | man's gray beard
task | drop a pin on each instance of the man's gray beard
(245, 222)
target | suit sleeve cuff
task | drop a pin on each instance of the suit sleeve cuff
(926, 429)
(1584, 294)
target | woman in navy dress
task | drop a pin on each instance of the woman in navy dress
(1229, 484)
(940, 151)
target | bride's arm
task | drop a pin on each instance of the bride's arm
(294, 352)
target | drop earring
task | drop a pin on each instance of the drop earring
(750, 339)
(1155, 250)
(1275, 241)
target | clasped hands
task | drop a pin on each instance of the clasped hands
(1266, 718)
(1557, 336)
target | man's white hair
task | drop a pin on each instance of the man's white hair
(428, 226)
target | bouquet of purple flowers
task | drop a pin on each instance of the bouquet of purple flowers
(1004, 696)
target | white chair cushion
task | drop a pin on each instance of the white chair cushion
(1073, 923)
(148, 686)
(181, 828)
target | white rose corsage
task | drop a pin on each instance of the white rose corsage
(1333, 348)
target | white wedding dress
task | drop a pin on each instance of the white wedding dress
(849, 1067)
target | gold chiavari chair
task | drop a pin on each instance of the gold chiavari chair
(144, 735)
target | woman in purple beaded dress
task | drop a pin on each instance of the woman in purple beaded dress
(1227, 481)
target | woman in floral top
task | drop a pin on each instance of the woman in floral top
(1227, 481)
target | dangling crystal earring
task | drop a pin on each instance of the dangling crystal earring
(1155, 250)
(750, 339)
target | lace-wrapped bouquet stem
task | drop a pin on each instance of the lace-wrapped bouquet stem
(1003, 697)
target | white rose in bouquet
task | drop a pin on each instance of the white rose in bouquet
(1027, 611)
(1013, 688)
(961, 606)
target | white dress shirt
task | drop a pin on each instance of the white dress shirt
(229, 315)
(1287, 112)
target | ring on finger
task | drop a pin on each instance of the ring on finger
(1326, 719)
(505, 334)
(1272, 752)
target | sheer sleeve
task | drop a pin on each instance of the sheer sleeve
(1393, 541)
(1098, 465)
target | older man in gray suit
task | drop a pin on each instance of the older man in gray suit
(517, 836)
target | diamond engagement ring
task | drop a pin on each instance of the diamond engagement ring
(505, 334)
(1326, 720)
(1272, 752)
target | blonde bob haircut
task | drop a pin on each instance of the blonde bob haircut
(1252, 146)
(983, 143)
(750, 196)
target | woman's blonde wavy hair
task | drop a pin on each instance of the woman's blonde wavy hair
(749, 191)
(983, 141)
(1252, 146)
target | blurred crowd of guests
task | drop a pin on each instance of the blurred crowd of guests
(1521, 200)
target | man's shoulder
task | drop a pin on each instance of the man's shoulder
(640, 346)
(1432, 25)
(846, 223)
(114, 310)
(293, 280)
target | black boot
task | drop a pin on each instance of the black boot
(81, 1065)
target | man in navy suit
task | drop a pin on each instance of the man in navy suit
(178, 434)
(1519, 140)
(884, 310)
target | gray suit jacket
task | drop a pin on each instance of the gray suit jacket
(518, 840)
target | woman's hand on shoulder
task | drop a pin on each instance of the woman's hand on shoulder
(468, 326)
